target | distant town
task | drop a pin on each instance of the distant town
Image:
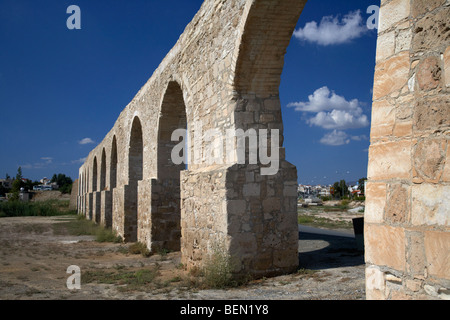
(18, 188)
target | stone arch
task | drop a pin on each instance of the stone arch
(266, 34)
(135, 174)
(113, 164)
(103, 171)
(94, 175)
(166, 216)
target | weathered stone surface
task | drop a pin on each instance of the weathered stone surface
(397, 207)
(385, 246)
(390, 160)
(391, 75)
(383, 119)
(420, 7)
(432, 31)
(437, 250)
(429, 160)
(429, 73)
(375, 284)
(392, 13)
(416, 260)
(432, 112)
(430, 205)
(447, 66)
(407, 196)
(375, 202)
(385, 46)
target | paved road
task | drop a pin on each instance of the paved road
(310, 230)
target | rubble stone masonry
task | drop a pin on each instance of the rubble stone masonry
(407, 239)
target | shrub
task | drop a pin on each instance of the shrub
(139, 248)
(218, 270)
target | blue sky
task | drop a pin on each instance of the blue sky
(61, 90)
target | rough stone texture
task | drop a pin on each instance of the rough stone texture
(391, 75)
(429, 73)
(407, 211)
(385, 246)
(447, 66)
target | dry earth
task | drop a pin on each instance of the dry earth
(34, 261)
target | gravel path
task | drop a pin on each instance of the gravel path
(34, 262)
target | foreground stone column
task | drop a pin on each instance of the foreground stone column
(253, 217)
(407, 236)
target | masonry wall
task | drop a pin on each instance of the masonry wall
(224, 73)
(407, 238)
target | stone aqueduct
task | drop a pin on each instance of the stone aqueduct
(224, 73)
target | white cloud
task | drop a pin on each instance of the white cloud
(332, 31)
(81, 160)
(86, 141)
(333, 111)
(335, 138)
(47, 160)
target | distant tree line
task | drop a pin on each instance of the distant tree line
(64, 182)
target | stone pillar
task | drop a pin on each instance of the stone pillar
(253, 217)
(106, 209)
(118, 211)
(124, 222)
(89, 206)
(96, 206)
(159, 214)
(407, 236)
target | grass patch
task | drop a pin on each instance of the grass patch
(131, 280)
(83, 227)
(323, 222)
(139, 248)
(28, 209)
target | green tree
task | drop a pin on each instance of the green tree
(19, 175)
(340, 189)
(64, 182)
(361, 185)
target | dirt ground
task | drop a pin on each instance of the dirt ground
(34, 260)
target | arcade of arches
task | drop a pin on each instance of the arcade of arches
(223, 74)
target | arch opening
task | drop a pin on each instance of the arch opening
(166, 221)
(135, 174)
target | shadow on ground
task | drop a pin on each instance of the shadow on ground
(319, 250)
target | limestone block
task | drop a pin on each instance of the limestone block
(431, 31)
(415, 255)
(375, 284)
(385, 46)
(447, 66)
(385, 246)
(446, 172)
(392, 13)
(437, 250)
(383, 119)
(397, 207)
(391, 75)
(430, 205)
(429, 73)
(390, 160)
(429, 160)
(420, 7)
(432, 113)
(375, 202)
(403, 40)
